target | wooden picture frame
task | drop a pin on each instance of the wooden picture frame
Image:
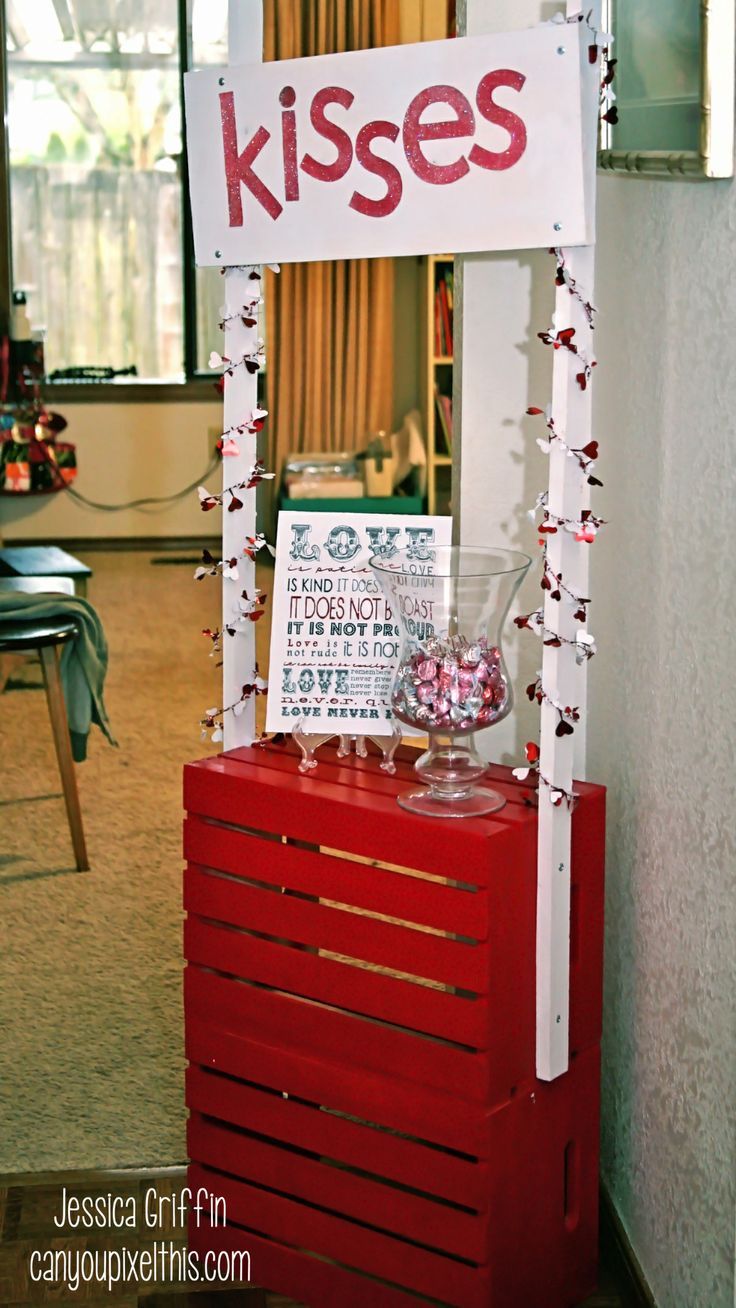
(674, 86)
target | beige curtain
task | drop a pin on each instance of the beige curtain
(329, 326)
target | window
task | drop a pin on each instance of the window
(100, 232)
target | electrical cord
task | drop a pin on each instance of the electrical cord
(150, 500)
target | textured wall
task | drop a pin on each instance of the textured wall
(661, 729)
(662, 725)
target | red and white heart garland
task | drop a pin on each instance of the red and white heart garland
(583, 644)
(212, 500)
(246, 608)
(564, 277)
(228, 445)
(562, 338)
(585, 455)
(557, 795)
(584, 529)
(213, 717)
(567, 714)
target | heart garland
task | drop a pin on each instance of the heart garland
(563, 277)
(587, 526)
(585, 456)
(246, 608)
(583, 644)
(584, 529)
(562, 339)
(209, 500)
(213, 717)
(535, 691)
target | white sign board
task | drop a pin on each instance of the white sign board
(467, 144)
(334, 640)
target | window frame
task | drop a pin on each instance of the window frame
(196, 384)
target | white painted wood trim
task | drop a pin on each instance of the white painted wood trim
(563, 758)
(245, 46)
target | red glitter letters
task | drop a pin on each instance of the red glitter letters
(503, 118)
(374, 163)
(240, 173)
(238, 166)
(331, 132)
(415, 131)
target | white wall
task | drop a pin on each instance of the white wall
(661, 726)
(125, 452)
(662, 723)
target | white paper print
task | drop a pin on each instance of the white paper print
(334, 640)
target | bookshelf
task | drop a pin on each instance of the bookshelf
(437, 318)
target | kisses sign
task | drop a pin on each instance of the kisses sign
(467, 144)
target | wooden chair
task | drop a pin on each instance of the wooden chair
(45, 638)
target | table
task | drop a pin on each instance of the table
(360, 1028)
(44, 561)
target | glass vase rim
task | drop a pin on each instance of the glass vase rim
(455, 551)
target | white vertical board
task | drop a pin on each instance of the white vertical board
(563, 679)
(245, 45)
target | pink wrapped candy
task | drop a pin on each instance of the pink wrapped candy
(452, 686)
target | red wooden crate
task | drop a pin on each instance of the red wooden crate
(361, 1039)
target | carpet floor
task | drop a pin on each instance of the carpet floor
(91, 1056)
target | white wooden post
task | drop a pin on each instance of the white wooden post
(564, 680)
(245, 46)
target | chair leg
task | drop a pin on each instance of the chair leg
(60, 728)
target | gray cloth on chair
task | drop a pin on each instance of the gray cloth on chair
(83, 660)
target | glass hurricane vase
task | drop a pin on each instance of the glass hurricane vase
(451, 681)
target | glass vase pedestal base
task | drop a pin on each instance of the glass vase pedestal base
(449, 771)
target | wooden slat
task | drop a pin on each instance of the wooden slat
(370, 1202)
(303, 1278)
(345, 770)
(328, 981)
(376, 1096)
(367, 824)
(499, 776)
(362, 775)
(375, 889)
(329, 1034)
(352, 1245)
(432, 957)
(311, 1127)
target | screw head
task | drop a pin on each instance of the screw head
(218, 254)
(561, 49)
(557, 227)
(221, 81)
(558, 1018)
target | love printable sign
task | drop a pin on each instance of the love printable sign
(334, 640)
(467, 144)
